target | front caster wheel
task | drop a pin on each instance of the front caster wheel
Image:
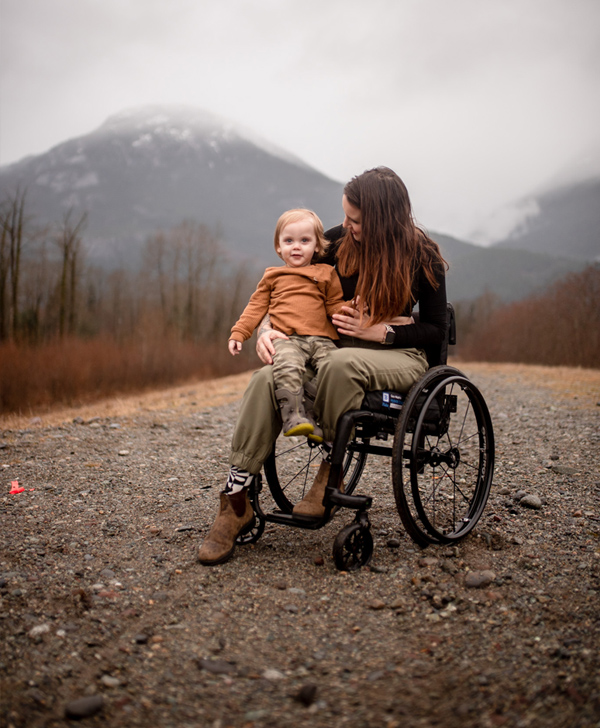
(353, 547)
(252, 535)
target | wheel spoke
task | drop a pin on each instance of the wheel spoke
(291, 467)
(301, 476)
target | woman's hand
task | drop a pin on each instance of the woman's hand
(349, 322)
(264, 343)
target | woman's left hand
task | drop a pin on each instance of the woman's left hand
(349, 323)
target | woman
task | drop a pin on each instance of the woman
(386, 265)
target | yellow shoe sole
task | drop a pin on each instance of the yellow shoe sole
(302, 430)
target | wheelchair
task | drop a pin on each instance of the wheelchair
(442, 462)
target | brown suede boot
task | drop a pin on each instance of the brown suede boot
(294, 418)
(312, 503)
(234, 517)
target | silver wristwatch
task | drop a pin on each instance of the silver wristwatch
(389, 336)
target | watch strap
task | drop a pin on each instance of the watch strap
(389, 336)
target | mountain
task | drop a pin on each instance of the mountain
(151, 168)
(563, 220)
(508, 274)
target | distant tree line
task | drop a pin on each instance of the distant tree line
(559, 327)
(69, 329)
(185, 287)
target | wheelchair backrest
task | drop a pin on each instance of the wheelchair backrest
(437, 355)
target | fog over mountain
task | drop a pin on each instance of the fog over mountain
(562, 218)
(151, 168)
(564, 221)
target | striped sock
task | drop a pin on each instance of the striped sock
(237, 480)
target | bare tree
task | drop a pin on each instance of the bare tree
(4, 246)
(154, 276)
(12, 222)
(68, 241)
(180, 276)
(37, 290)
(201, 256)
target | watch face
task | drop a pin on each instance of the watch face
(390, 336)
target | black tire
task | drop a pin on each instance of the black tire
(293, 463)
(443, 458)
(253, 534)
(353, 547)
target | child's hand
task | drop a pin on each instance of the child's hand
(235, 347)
(358, 305)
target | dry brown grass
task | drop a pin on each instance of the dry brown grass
(75, 372)
(171, 402)
(580, 385)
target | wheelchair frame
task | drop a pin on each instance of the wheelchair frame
(442, 458)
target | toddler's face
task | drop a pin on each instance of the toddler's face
(297, 243)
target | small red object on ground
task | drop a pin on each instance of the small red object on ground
(15, 487)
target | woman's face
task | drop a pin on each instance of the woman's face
(352, 218)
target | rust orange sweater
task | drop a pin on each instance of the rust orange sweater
(298, 301)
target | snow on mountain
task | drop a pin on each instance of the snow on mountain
(188, 125)
(149, 168)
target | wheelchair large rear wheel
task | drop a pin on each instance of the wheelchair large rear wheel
(443, 458)
(293, 464)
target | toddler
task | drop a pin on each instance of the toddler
(298, 297)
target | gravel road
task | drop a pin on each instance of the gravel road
(107, 618)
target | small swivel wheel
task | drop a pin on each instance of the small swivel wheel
(353, 547)
(253, 534)
(254, 530)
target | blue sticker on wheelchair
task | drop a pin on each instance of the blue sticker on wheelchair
(391, 400)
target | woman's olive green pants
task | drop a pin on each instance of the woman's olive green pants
(344, 377)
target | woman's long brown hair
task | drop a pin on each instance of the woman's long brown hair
(391, 249)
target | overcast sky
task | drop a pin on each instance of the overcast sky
(473, 102)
